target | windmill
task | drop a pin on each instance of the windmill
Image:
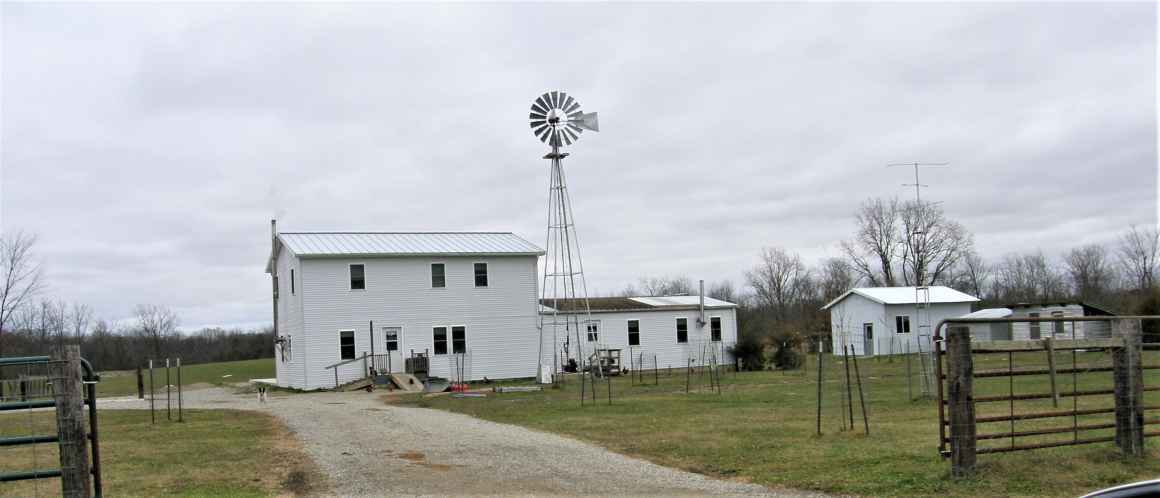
(556, 119)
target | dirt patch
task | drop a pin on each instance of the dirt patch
(293, 471)
(421, 459)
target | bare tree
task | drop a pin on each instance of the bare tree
(1028, 277)
(779, 281)
(20, 276)
(1089, 271)
(723, 290)
(1138, 250)
(835, 276)
(932, 244)
(79, 319)
(873, 250)
(667, 286)
(156, 323)
(972, 275)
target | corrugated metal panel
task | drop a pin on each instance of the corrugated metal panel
(989, 313)
(681, 301)
(308, 244)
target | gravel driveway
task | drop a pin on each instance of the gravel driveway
(369, 448)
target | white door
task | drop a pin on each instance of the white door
(393, 345)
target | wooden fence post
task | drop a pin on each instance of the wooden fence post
(70, 423)
(140, 384)
(961, 400)
(1129, 380)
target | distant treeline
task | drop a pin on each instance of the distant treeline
(128, 349)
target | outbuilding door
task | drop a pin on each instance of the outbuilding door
(393, 345)
(868, 337)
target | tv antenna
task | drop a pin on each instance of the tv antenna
(556, 119)
(917, 184)
(922, 291)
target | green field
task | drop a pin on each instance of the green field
(762, 429)
(121, 383)
(212, 453)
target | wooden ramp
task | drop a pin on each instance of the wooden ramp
(406, 382)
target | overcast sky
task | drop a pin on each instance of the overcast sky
(149, 145)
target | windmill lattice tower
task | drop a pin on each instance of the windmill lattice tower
(556, 119)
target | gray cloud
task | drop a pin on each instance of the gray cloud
(149, 145)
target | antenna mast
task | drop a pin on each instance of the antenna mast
(921, 290)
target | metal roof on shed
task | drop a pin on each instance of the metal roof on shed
(905, 295)
(648, 303)
(407, 243)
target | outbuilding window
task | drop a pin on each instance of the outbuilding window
(440, 340)
(902, 324)
(346, 345)
(357, 277)
(715, 329)
(682, 330)
(1033, 327)
(459, 340)
(291, 281)
(481, 274)
(1057, 327)
(593, 331)
(438, 275)
(634, 332)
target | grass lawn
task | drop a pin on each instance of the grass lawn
(213, 453)
(762, 429)
(124, 382)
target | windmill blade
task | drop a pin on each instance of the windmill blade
(555, 99)
(537, 115)
(575, 129)
(539, 130)
(537, 107)
(568, 102)
(545, 102)
(538, 122)
(567, 139)
(587, 121)
(569, 109)
(573, 135)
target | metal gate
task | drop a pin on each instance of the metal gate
(71, 384)
(1081, 372)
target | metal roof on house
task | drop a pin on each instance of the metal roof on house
(647, 303)
(307, 244)
(905, 295)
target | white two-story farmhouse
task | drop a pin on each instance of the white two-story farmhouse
(456, 297)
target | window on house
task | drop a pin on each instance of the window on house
(481, 274)
(391, 336)
(357, 277)
(459, 340)
(291, 281)
(715, 329)
(440, 340)
(275, 287)
(682, 330)
(438, 275)
(346, 345)
(634, 332)
(1057, 327)
(902, 324)
(593, 331)
(1033, 327)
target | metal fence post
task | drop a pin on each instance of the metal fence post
(1129, 380)
(960, 399)
(70, 424)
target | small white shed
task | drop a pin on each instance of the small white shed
(892, 320)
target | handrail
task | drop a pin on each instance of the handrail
(344, 362)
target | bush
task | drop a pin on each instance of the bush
(787, 356)
(748, 352)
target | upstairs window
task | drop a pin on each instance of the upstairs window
(715, 329)
(481, 274)
(440, 340)
(438, 275)
(682, 330)
(391, 337)
(346, 345)
(291, 281)
(634, 333)
(459, 340)
(593, 331)
(902, 324)
(357, 277)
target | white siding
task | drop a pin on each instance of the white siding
(658, 336)
(290, 371)
(848, 317)
(1021, 331)
(500, 318)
